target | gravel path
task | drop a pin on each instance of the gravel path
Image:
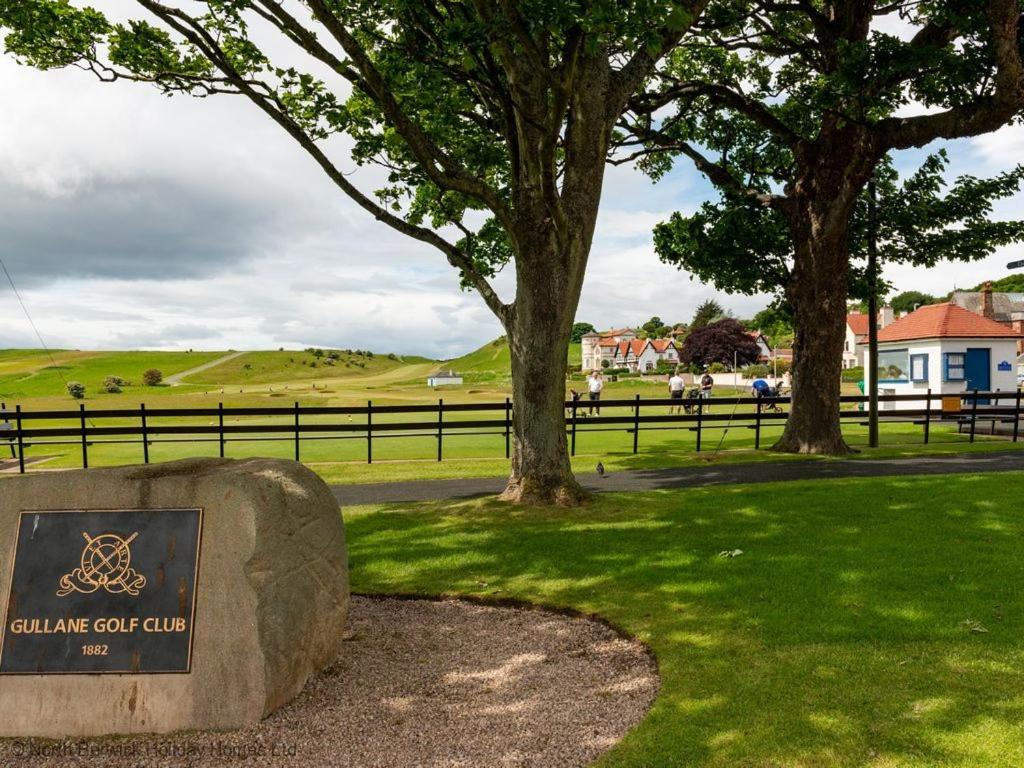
(422, 683)
(175, 379)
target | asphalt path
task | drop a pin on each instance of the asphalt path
(692, 477)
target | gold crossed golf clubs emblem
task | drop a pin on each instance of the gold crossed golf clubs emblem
(106, 563)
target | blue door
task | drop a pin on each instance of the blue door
(978, 371)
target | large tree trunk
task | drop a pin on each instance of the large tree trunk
(817, 293)
(541, 473)
(548, 284)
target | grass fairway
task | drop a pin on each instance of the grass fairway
(867, 622)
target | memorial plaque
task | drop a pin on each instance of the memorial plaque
(102, 591)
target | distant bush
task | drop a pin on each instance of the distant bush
(76, 389)
(758, 371)
(392, 356)
(333, 355)
(152, 377)
(606, 364)
(854, 374)
(665, 366)
(112, 384)
(717, 368)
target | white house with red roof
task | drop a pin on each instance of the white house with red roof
(947, 349)
(857, 326)
(621, 348)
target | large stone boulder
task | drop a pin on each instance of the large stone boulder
(271, 595)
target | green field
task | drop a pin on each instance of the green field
(866, 622)
(277, 367)
(261, 379)
(26, 375)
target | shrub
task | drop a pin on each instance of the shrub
(853, 374)
(717, 368)
(392, 356)
(152, 377)
(605, 363)
(758, 371)
(333, 355)
(76, 389)
(112, 384)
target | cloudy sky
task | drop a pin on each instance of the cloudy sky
(132, 220)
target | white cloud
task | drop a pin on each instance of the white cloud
(134, 220)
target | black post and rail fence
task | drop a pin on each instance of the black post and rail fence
(26, 430)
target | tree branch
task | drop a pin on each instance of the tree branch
(195, 33)
(441, 168)
(987, 112)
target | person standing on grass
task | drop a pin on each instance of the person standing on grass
(595, 383)
(676, 385)
(706, 384)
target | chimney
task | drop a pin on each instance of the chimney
(886, 317)
(987, 310)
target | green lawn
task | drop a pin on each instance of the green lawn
(866, 622)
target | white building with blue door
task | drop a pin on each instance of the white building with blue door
(947, 349)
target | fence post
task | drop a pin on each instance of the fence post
(220, 427)
(974, 414)
(1016, 416)
(700, 412)
(757, 424)
(636, 424)
(145, 434)
(508, 428)
(3, 410)
(296, 430)
(572, 445)
(440, 426)
(369, 432)
(928, 417)
(21, 440)
(85, 440)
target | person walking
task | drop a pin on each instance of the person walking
(595, 383)
(706, 385)
(676, 385)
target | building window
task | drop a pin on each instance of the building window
(954, 366)
(919, 367)
(892, 366)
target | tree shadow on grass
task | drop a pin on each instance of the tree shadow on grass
(865, 620)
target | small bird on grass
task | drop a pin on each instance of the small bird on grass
(600, 469)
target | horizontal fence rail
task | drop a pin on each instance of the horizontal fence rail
(21, 429)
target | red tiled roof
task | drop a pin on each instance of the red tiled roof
(660, 345)
(636, 346)
(945, 321)
(607, 343)
(617, 332)
(858, 323)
